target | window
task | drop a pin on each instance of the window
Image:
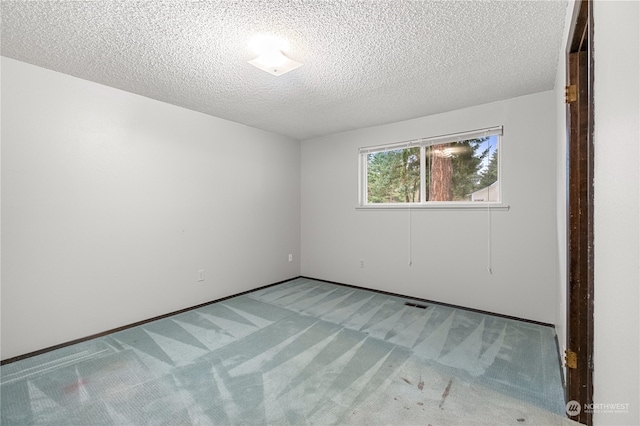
(457, 169)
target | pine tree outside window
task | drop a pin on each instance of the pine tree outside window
(459, 169)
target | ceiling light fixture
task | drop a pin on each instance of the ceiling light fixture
(271, 58)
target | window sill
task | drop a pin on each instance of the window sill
(437, 206)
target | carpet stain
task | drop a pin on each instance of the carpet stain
(445, 394)
(75, 387)
(421, 383)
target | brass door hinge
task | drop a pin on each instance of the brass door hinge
(570, 359)
(570, 94)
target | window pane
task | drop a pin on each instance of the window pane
(463, 171)
(394, 176)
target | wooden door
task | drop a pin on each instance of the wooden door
(580, 157)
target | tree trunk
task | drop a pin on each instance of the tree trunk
(440, 187)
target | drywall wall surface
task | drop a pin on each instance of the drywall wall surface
(616, 211)
(448, 247)
(112, 203)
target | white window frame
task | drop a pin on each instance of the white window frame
(423, 143)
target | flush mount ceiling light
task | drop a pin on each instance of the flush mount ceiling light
(271, 59)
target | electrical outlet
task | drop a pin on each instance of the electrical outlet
(201, 275)
(362, 263)
(290, 257)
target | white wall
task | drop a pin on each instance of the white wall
(111, 202)
(449, 247)
(617, 209)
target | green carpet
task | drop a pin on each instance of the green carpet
(302, 352)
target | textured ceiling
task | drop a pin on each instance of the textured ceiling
(365, 62)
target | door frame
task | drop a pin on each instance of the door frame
(580, 207)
